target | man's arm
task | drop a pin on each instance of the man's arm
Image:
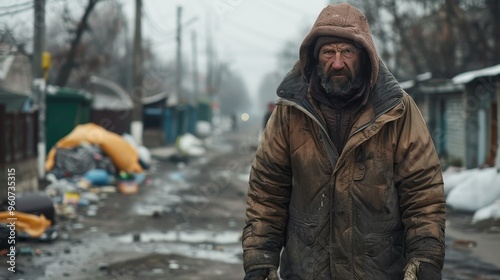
(418, 176)
(268, 197)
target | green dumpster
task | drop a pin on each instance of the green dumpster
(66, 108)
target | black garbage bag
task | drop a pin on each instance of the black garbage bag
(36, 203)
(78, 160)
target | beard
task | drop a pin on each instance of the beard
(341, 89)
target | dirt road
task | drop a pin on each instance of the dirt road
(186, 224)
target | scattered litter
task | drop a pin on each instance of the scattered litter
(189, 145)
(136, 237)
(173, 265)
(78, 226)
(71, 198)
(103, 266)
(462, 243)
(105, 189)
(26, 251)
(157, 271)
(128, 187)
(30, 224)
(98, 177)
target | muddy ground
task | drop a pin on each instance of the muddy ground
(185, 223)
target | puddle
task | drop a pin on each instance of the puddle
(149, 210)
(176, 177)
(224, 237)
(217, 246)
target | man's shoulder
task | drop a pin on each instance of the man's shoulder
(294, 85)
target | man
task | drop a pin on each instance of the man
(346, 183)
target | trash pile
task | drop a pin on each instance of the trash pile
(190, 146)
(83, 168)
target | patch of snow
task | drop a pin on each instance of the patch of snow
(476, 190)
(491, 211)
(471, 75)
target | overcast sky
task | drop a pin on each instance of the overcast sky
(247, 33)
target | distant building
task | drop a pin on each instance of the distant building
(18, 122)
(461, 114)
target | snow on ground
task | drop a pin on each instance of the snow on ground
(474, 190)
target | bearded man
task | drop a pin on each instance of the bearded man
(346, 182)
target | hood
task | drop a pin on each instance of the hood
(345, 21)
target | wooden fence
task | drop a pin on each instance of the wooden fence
(18, 136)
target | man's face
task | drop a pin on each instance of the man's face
(339, 69)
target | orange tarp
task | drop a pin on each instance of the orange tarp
(122, 154)
(33, 225)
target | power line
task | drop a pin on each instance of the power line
(284, 7)
(17, 5)
(261, 34)
(156, 26)
(248, 42)
(16, 11)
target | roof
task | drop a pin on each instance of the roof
(15, 73)
(109, 95)
(467, 77)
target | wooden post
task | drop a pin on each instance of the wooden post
(2, 135)
(497, 87)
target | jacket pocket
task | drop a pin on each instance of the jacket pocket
(298, 260)
(384, 254)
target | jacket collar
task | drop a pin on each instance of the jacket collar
(385, 94)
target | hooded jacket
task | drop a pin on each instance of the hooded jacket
(361, 214)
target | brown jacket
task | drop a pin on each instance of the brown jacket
(362, 214)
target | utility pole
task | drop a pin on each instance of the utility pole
(195, 67)
(137, 91)
(38, 80)
(180, 115)
(497, 161)
(178, 80)
(210, 58)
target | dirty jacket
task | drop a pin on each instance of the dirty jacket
(362, 214)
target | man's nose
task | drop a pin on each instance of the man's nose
(337, 62)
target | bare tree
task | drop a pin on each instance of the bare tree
(103, 49)
(65, 71)
(444, 37)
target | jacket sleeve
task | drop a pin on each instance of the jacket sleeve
(418, 177)
(268, 195)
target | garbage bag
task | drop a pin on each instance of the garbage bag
(79, 160)
(36, 203)
(122, 154)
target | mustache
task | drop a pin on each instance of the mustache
(331, 73)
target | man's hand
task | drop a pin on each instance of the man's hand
(416, 270)
(262, 274)
(429, 271)
(411, 270)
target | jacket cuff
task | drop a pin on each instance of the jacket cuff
(426, 260)
(255, 259)
(427, 250)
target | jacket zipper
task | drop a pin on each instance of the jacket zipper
(375, 118)
(331, 154)
(323, 129)
(332, 148)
